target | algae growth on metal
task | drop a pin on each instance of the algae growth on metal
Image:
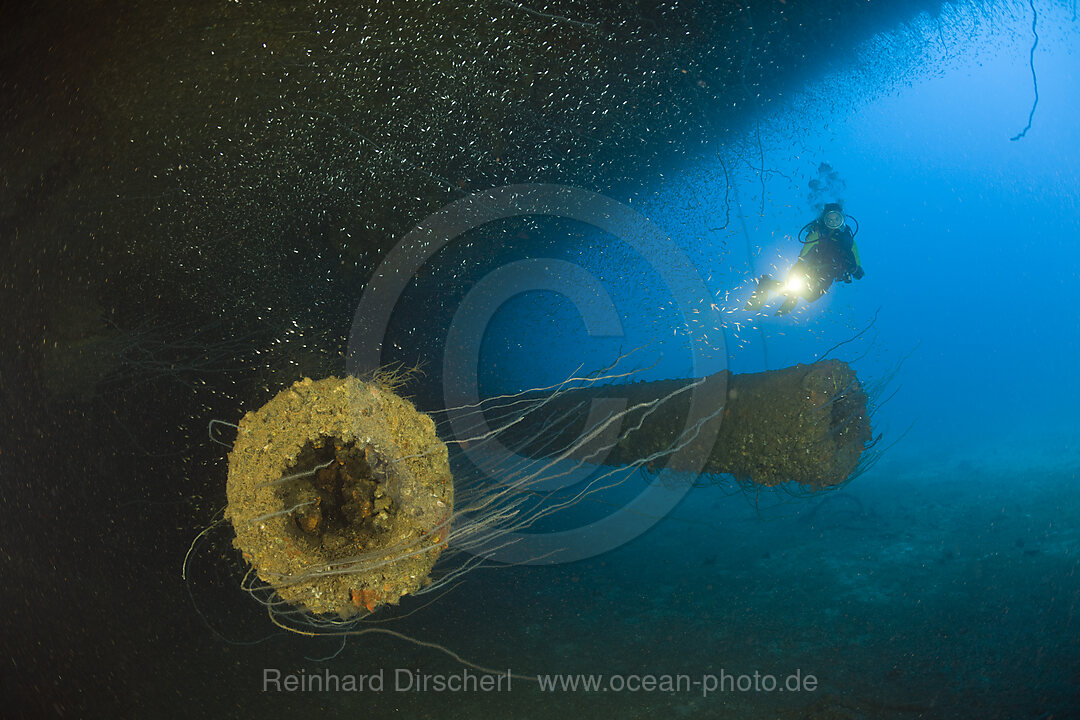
(340, 495)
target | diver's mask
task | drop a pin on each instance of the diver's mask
(833, 219)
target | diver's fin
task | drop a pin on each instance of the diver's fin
(765, 284)
(788, 306)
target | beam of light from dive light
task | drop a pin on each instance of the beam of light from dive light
(795, 283)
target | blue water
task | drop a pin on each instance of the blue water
(942, 582)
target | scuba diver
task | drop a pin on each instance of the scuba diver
(829, 253)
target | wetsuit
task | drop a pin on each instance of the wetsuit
(827, 256)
